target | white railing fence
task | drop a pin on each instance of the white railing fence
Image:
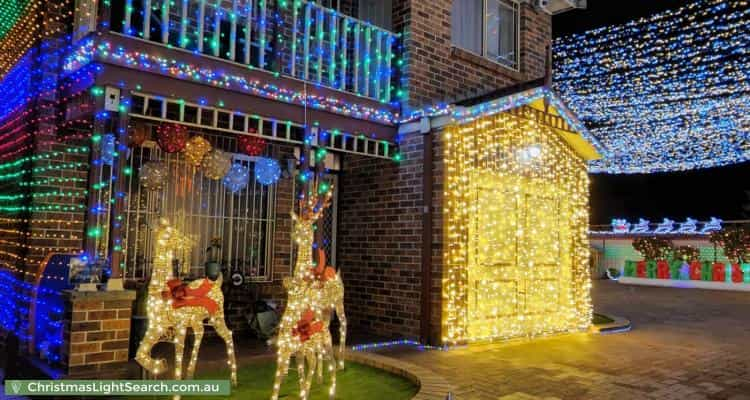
(302, 39)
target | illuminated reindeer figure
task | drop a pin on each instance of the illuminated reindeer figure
(173, 307)
(315, 292)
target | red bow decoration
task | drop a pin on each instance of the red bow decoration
(662, 270)
(695, 270)
(183, 296)
(640, 269)
(306, 327)
(321, 271)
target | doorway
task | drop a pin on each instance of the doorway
(519, 261)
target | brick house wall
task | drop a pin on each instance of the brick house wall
(379, 241)
(437, 72)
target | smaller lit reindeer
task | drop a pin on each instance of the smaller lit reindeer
(315, 292)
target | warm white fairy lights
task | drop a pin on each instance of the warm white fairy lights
(314, 292)
(169, 322)
(516, 221)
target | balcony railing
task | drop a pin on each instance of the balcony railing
(297, 38)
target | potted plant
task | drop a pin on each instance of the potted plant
(213, 254)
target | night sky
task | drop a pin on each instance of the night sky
(699, 194)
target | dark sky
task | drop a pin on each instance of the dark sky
(700, 194)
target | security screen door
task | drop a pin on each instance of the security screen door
(519, 271)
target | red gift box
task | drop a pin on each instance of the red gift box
(662, 270)
(719, 273)
(695, 270)
(640, 269)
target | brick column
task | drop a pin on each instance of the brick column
(97, 333)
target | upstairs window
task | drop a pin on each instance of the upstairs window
(377, 12)
(488, 28)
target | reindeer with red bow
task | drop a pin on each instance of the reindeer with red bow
(173, 307)
(315, 293)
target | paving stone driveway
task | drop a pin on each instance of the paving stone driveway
(685, 344)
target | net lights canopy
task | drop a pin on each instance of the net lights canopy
(669, 92)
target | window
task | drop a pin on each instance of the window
(377, 12)
(488, 28)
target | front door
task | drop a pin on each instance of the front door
(518, 258)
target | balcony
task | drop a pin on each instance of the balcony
(296, 38)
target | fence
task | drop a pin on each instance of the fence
(202, 208)
(298, 38)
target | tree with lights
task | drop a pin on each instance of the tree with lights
(652, 248)
(735, 241)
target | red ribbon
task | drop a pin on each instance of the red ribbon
(184, 296)
(662, 270)
(321, 271)
(306, 327)
(640, 269)
(695, 270)
(719, 273)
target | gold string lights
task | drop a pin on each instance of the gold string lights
(516, 219)
(314, 292)
(174, 307)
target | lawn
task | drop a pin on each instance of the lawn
(602, 319)
(356, 382)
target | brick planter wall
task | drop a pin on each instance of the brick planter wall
(97, 333)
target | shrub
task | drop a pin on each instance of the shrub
(652, 248)
(686, 253)
(735, 240)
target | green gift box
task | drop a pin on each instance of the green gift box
(674, 269)
(707, 271)
(629, 269)
(651, 269)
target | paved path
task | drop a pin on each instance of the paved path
(685, 345)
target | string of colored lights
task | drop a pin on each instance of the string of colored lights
(396, 343)
(669, 92)
(105, 52)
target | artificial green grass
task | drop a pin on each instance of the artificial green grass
(355, 382)
(600, 319)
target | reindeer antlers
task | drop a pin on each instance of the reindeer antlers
(313, 203)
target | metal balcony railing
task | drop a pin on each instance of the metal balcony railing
(301, 39)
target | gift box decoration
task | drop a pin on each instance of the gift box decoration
(640, 269)
(737, 275)
(707, 271)
(629, 269)
(651, 269)
(696, 269)
(662, 270)
(718, 272)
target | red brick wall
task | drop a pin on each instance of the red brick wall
(435, 71)
(379, 241)
(96, 333)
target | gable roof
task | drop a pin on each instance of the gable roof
(537, 95)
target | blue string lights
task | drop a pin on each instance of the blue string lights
(666, 93)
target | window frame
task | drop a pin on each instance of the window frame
(514, 65)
